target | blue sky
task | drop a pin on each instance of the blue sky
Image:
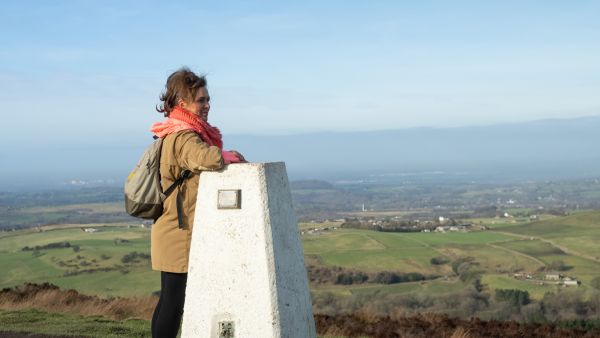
(71, 71)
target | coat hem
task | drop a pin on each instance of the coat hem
(170, 269)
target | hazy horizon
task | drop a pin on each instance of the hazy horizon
(545, 149)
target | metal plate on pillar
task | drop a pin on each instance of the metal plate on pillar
(229, 199)
(226, 330)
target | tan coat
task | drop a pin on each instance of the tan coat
(170, 245)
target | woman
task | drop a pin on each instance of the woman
(189, 143)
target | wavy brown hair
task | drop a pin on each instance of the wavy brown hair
(183, 85)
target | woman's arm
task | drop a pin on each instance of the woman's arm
(194, 154)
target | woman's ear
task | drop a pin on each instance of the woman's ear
(181, 103)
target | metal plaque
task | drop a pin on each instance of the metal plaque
(229, 199)
(226, 330)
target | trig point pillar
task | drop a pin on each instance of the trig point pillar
(246, 275)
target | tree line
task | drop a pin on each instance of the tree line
(340, 276)
(567, 308)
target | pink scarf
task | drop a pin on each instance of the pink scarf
(180, 119)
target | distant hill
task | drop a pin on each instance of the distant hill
(548, 148)
(540, 149)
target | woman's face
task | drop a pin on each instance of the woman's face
(201, 104)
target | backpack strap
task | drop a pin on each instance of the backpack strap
(184, 175)
(178, 182)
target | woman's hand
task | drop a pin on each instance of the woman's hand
(240, 156)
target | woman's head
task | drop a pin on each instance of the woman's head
(187, 90)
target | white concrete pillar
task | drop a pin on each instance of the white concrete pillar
(246, 275)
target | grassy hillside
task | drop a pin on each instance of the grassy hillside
(572, 239)
(579, 232)
(97, 267)
(509, 247)
(96, 263)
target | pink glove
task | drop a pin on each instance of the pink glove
(229, 157)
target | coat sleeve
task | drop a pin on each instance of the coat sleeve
(195, 155)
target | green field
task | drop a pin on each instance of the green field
(411, 252)
(579, 233)
(103, 249)
(505, 249)
(370, 251)
(507, 282)
(63, 324)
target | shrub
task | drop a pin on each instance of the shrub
(56, 245)
(438, 260)
(386, 277)
(470, 275)
(134, 257)
(458, 264)
(348, 278)
(514, 297)
(360, 277)
(344, 279)
(414, 277)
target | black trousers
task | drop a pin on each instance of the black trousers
(166, 319)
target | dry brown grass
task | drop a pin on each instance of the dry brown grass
(461, 332)
(50, 298)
